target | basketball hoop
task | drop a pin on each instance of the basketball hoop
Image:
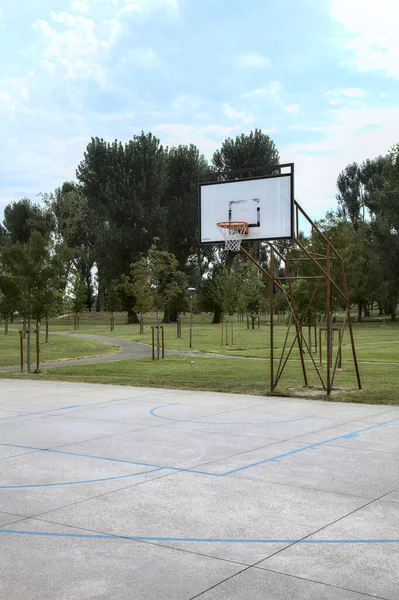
(233, 232)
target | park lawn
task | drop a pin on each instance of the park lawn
(374, 342)
(380, 382)
(58, 348)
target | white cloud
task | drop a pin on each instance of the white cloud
(354, 135)
(14, 93)
(178, 133)
(345, 95)
(273, 92)
(1, 19)
(290, 108)
(373, 31)
(147, 6)
(74, 45)
(81, 6)
(347, 92)
(232, 113)
(253, 61)
(48, 65)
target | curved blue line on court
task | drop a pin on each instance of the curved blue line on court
(276, 458)
(62, 408)
(147, 538)
(197, 422)
(46, 485)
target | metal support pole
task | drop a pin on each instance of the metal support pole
(157, 342)
(320, 352)
(21, 348)
(163, 342)
(329, 320)
(191, 320)
(153, 341)
(37, 331)
(271, 321)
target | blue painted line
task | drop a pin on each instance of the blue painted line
(198, 422)
(146, 538)
(46, 485)
(311, 446)
(117, 460)
(74, 406)
(245, 467)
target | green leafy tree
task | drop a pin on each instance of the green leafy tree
(186, 167)
(77, 297)
(246, 153)
(223, 290)
(124, 186)
(74, 227)
(155, 280)
(384, 206)
(22, 218)
(34, 269)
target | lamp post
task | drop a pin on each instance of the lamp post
(191, 290)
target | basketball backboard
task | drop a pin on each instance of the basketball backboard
(265, 203)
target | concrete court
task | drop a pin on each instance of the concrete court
(115, 492)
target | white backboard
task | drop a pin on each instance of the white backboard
(265, 203)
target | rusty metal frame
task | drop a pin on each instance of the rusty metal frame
(332, 284)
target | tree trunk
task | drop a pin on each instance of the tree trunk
(89, 287)
(359, 313)
(132, 317)
(46, 331)
(217, 316)
(169, 316)
(6, 327)
(394, 305)
(100, 294)
(28, 347)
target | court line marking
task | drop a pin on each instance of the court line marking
(275, 458)
(59, 484)
(146, 538)
(196, 421)
(74, 406)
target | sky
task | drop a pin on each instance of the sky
(320, 77)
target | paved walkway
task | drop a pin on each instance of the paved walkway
(128, 349)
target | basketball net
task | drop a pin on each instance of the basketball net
(233, 233)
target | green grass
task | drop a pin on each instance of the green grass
(380, 382)
(375, 343)
(58, 348)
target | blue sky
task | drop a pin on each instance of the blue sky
(321, 77)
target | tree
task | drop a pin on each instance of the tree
(34, 269)
(77, 294)
(384, 206)
(357, 185)
(74, 227)
(223, 291)
(22, 218)
(155, 280)
(251, 288)
(186, 167)
(124, 185)
(246, 153)
(349, 197)
(9, 297)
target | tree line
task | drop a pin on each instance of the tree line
(124, 235)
